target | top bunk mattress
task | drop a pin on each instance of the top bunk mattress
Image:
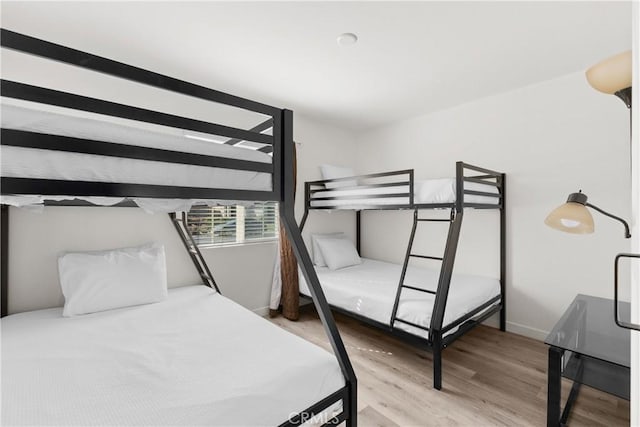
(427, 192)
(22, 162)
(195, 359)
(369, 289)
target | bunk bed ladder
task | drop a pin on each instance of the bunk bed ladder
(408, 256)
(440, 302)
(180, 223)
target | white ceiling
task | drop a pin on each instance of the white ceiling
(412, 57)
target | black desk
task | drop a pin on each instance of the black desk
(587, 347)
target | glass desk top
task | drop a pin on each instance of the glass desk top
(588, 327)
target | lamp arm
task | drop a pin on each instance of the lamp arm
(627, 234)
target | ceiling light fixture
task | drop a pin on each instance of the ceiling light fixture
(347, 39)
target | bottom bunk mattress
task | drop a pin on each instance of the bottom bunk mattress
(196, 358)
(369, 289)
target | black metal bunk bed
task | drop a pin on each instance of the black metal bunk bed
(280, 144)
(395, 191)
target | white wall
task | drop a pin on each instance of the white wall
(551, 139)
(322, 144)
(243, 272)
(36, 240)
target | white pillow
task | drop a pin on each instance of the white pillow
(333, 172)
(318, 259)
(105, 280)
(339, 253)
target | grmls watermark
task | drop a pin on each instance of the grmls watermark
(325, 418)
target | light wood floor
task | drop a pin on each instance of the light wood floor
(489, 378)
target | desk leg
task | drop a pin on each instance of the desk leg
(553, 386)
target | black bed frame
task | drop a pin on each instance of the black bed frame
(437, 339)
(280, 143)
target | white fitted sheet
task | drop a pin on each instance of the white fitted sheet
(47, 164)
(194, 359)
(369, 289)
(430, 191)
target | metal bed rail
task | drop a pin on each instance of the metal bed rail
(438, 329)
(349, 193)
(27, 139)
(281, 167)
(471, 181)
(315, 413)
(463, 324)
(359, 192)
(498, 180)
(489, 178)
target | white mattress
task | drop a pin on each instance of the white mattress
(47, 164)
(369, 289)
(429, 191)
(194, 359)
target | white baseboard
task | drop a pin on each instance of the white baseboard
(261, 311)
(527, 331)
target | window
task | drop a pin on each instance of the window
(220, 225)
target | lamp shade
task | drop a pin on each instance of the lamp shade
(572, 218)
(611, 75)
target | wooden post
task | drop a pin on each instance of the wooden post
(290, 298)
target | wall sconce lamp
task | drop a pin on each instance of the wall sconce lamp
(574, 217)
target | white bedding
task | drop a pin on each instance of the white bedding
(429, 191)
(47, 164)
(194, 359)
(369, 289)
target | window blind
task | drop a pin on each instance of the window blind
(234, 224)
